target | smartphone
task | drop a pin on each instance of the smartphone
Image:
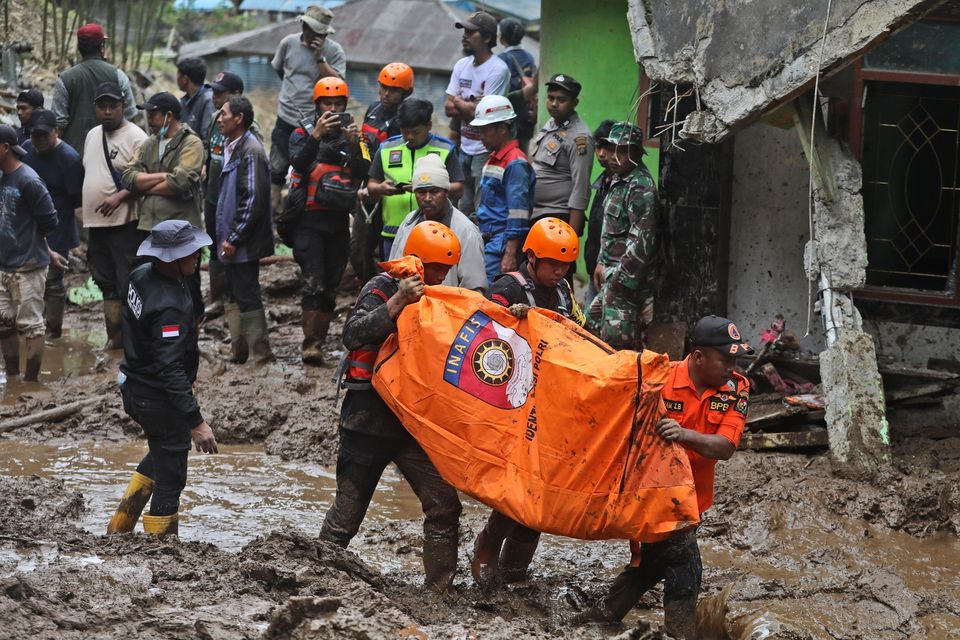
(402, 185)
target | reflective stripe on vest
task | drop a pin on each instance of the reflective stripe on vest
(396, 208)
(360, 363)
(565, 300)
(380, 135)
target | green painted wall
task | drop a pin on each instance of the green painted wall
(591, 41)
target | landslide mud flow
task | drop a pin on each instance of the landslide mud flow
(789, 550)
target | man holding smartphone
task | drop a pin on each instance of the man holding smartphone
(329, 162)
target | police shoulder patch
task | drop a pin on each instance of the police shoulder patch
(581, 142)
(134, 301)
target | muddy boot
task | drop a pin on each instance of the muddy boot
(161, 525)
(10, 346)
(112, 312)
(239, 348)
(680, 618)
(131, 505)
(276, 198)
(53, 306)
(439, 564)
(218, 284)
(254, 325)
(31, 370)
(624, 594)
(516, 558)
(484, 565)
(315, 325)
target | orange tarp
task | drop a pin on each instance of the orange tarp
(536, 418)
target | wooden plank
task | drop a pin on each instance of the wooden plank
(815, 437)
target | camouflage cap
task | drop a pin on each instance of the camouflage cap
(624, 133)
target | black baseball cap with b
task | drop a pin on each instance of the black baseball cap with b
(227, 81)
(719, 333)
(163, 101)
(42, 121)
(110, 90)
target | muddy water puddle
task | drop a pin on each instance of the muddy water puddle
(230, 498)
(816, 572)
(76, 353)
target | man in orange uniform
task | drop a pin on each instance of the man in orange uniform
(706, 404)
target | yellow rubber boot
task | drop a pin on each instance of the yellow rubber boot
(161, 525)
(131, 505)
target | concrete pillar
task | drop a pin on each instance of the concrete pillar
(836, 259)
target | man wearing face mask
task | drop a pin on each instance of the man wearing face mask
(627, 267)
(431, 186)
(165, 174)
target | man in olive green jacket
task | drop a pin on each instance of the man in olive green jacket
(165, 173)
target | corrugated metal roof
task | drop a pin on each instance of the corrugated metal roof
(523, 10)
(372, 33)
(286, 6)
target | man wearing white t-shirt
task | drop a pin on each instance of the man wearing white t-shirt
(479, 74)
(109, 209)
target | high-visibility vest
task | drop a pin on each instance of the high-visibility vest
(397, 160)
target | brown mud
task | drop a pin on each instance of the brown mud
(789, 550)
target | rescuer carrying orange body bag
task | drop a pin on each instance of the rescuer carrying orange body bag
(536, 418)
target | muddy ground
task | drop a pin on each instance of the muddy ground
(794, 551)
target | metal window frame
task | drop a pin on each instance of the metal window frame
(861, 77)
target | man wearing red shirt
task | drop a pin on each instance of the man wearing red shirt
(706, 403)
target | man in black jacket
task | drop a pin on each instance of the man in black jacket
(160, 361)
(330, 160)
(371, 435)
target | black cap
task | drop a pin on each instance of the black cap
(227, 81)
(479, 21)
(720, 333)
(42, 120)
(566, 82)
(32, 97)
(164, 101)
(108, 90)
(9, 136)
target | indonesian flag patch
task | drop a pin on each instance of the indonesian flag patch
(170, 331)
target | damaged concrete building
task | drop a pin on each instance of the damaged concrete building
(809, 163)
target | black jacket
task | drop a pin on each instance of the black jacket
(160, 352)
(368, 325)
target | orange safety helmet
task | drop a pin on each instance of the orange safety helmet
(397, 74)
(331, 86)
(433, 242)
(553, 238)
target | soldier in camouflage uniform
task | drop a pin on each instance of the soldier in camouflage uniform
(626, 270)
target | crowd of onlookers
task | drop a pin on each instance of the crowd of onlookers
(202, 159)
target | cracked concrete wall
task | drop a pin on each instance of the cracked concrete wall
(841, 246)
(745, 56)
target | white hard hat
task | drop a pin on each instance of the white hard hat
(493, 109)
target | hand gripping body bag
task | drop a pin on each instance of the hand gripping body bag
(536, 418)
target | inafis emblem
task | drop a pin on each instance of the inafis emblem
(490, 362)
